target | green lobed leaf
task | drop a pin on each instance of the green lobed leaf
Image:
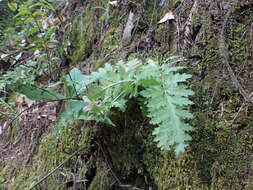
(76, 82)
(72, 113)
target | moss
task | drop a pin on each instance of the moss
(180, 173)
(102, 179)
(239, 40)
(123, 143)
(234, 160)
(4, 174)
(111, 45)
(197, 20)
(112, 39)
(84, 33)
(52, 151)
(98, 64)
(220, 154)
(171, 5)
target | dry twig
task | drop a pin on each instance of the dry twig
(54, 170)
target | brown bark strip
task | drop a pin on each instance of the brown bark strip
(187, 28)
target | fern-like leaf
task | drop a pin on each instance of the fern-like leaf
(164, 93)
(166, 104)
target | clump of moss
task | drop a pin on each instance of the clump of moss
(179, 173)
(103, 178)
(239, 40)
(84, 33)
(4, 175)
(112, 40)
(52, 151)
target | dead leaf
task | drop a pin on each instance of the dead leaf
(4, 56)
(113, 3)
(167, 17)
(128, 28)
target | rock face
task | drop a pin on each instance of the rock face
(216, 39)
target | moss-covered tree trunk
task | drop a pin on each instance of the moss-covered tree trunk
(216, 40)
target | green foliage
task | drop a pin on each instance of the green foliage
(29, 23)
(13, 6)
(106, 10)
(91, 97)
(30, 35)
(75, 82)
(159, 89)
(6, 14)
(26, 75)
(166, 103)
(8, 107)
(35, 93)
(165, 97)
(23, 75)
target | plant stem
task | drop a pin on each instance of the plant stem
(117, 83)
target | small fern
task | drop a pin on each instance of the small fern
(166, 102)
(160, 86)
